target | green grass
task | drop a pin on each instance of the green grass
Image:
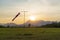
(29, 33)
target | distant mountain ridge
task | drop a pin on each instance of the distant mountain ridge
(38, 23)
(33, 24)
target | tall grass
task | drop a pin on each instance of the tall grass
(29, 33)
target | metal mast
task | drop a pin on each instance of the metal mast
(24, 16)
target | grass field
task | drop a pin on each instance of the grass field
(29, 33)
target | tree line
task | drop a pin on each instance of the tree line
(52, 25)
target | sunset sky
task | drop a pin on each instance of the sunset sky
(41, 9)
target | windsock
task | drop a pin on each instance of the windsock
(16, 16)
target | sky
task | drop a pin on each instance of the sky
(48, 10)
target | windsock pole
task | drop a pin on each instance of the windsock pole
(24, 17)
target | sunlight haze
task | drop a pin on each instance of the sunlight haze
(43, 10)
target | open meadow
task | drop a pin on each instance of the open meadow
(29, 33)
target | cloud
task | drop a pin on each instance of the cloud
(54, 2)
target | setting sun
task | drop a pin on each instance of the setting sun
(32, 18)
